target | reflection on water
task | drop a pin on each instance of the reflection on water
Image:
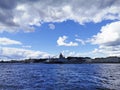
(59, 77)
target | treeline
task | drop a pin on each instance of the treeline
(69, 60)
(24, 61)
(113, 59)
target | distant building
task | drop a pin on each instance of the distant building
(61, 56)
(62, 59)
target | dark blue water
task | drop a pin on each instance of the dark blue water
(59, 76)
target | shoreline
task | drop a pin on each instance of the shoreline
(57, 63)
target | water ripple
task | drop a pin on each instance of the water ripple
(59, 77)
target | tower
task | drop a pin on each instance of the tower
(61, 56)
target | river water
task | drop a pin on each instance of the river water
(59, 76)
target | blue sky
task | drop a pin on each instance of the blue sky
(39, 29)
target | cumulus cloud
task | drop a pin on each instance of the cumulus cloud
(62, 42)
(7, 41)
(108, 39)
(18, 53)
(18, 15)
(109, 35)
(51, 26)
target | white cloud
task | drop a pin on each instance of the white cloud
(7, 41)
(27, 46)
(108, 39)
(21, 15)
(107, 51)
(109, 35)
(51, 26)
(68, 53)
(81, 41)
(18, 53)
(62, 42)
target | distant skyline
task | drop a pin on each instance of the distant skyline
(43, 28)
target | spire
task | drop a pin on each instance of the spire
(61, 56)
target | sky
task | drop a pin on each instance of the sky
(46, 28)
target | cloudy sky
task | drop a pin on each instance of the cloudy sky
(43, 28)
